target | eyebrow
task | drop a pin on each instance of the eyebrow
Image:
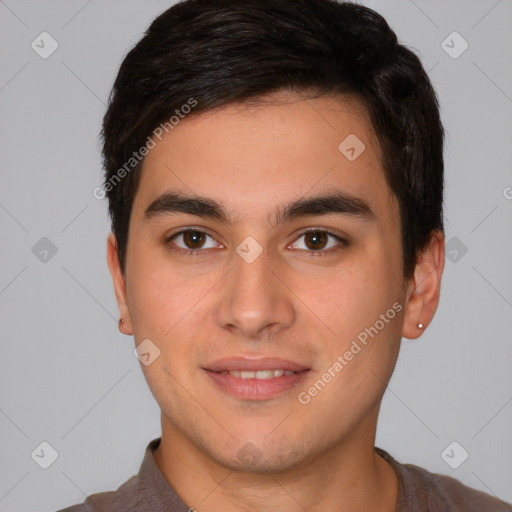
(337, 202)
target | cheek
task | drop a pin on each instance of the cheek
(353, 301)
(170, 309)
(156, 295)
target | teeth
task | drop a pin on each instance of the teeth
(260, 374)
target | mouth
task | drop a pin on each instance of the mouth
(259, 374)
(255, 378)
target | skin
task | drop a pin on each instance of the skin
(289, 302)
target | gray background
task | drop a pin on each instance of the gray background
(68, 377)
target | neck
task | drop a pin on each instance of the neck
(347, 477)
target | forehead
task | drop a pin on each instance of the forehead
(254, 157)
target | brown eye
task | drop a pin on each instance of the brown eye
(194, 239)
(319, 242)
(316, 239)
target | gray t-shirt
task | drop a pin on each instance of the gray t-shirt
(418, 491)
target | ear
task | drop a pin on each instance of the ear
(119, 284)
(424, 288)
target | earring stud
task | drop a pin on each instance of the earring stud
(420, 326)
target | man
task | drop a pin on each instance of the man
(274, 172)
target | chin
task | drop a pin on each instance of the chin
(259, 457)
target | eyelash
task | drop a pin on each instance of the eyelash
(201, 252)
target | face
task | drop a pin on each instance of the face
(264, 264)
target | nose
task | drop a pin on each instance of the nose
(255, 301)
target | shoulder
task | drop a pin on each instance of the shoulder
(148, 491)
(123, 499)
(453, 494)
(421, 490)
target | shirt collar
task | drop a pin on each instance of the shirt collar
(155, 493)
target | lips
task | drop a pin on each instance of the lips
(255, 378)
(245, 364)
(260, 374)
